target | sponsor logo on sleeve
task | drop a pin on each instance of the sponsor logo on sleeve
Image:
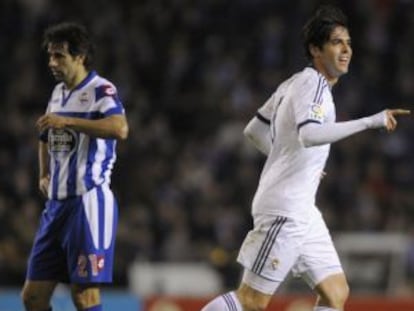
(316, 112)
(109, 90)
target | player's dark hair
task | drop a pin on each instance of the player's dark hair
(76, 36)
(318, 28)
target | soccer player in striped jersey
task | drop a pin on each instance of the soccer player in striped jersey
(295, 128)
(77, 151)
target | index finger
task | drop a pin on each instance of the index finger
(400, 111)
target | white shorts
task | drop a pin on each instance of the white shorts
(278, 245)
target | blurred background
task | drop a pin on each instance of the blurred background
(191, 74)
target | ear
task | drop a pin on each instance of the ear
(314, 51)
(81, 58)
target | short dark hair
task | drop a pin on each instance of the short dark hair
(76, 36)
(318, 28)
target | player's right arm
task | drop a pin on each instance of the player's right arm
(44, 177)
(257, 130)
(43, 157)
(258, 133)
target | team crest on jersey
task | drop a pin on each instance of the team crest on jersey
(275, 264)
(62, 142)
(84, 98)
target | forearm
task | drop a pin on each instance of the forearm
(320, 134)
(111, 127)
(43, 160)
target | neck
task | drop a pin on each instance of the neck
(76, 79)
(332, 80)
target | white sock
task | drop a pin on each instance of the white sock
(324, 309)
(225, 302)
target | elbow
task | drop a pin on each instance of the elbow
(122, 132)
(306, 141)
(249, 135)
(307, 144)
(262, 146)
(246, 132)
(307, 137)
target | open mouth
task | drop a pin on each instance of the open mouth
(56, 73)
(344, 60)
(344, 64)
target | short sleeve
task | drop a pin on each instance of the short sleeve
(107, 99)
(308, 100)
(269, 108)
(264, 113)
(43, 136)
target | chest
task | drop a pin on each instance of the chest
(72, 101)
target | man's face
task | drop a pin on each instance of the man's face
(335, 55)
(63, 65)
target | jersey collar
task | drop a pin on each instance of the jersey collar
(85, 81)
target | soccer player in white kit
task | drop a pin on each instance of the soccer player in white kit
(84, 119)
(295, 128)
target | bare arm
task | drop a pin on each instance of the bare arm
(44, 176)
(115, 126)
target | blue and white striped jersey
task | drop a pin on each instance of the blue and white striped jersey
(79, 162)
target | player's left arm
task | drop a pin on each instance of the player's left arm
(314, 134)
(113, 126)
(112, 122)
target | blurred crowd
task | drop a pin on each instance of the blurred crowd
(191, 74)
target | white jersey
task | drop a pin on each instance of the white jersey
(292, 173)
(79, 162)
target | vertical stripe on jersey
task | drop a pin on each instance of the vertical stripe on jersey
(73, 174)
(267, 244)
(319, 98)
(98, 162)
(82, 164)
(109, 215)
(101, 215)
(63, 175)
(319, 90)
(91, 206)
(55, 168)
(109, 160)
(99, 157)
(231, 305)
(90, 159)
